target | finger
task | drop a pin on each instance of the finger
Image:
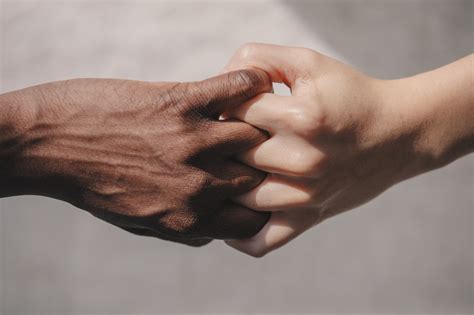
(236, 178)
(280, 229)
(195, 242)
(233, 222)
(221, 93)
(242, 178)
(230, 137)
(289, 65)
(286, 155)
(230, 178)
(278, 193)
(265, 111)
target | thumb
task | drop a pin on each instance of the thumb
(224, 92)
(288, 65)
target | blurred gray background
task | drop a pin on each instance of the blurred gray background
(408, 251)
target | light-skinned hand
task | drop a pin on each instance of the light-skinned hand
(342, 137)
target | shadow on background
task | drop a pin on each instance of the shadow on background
(410, 37)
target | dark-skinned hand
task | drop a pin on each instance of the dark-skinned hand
(151, 158)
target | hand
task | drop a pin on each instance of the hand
(338, 141)
(150, 158)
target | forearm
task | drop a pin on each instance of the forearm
(439, 104)
(449, 92)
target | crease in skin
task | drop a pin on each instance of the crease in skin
(174, 98)
(203, 111)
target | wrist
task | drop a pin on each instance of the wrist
(433, 111)
(18, 115)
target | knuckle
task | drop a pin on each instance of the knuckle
(179, 223)
(309, 56)
(298, 121)
(246, 50)
(206, 192)
(303, 121)
(201, 181)
(244, 182)
(305, 163)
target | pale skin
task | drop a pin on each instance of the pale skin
(342, 137)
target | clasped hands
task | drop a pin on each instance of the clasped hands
(223, 158)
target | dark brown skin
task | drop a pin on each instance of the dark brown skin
(151, 158)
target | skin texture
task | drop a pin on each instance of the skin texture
(343, 138)
(150, 158)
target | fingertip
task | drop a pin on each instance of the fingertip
(247, 247)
